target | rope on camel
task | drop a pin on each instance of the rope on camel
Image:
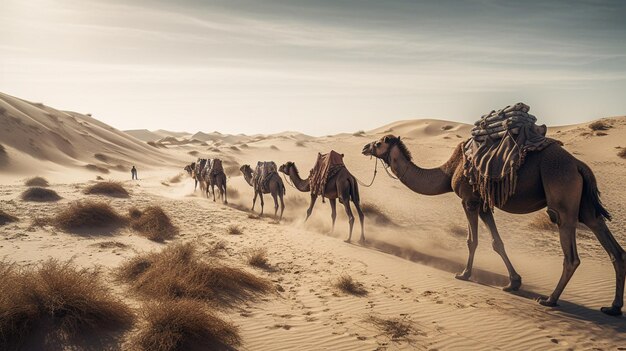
(373, 177)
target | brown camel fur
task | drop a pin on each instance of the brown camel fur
(342, 186)
(275, 187)
(213, 180)
(551, 177)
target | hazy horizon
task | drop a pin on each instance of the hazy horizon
(317, 67)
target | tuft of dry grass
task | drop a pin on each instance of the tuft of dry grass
(257, 257)
(101, 157)
(37, 181)
(57, 299)
(394, 328)
(99, 178)
(274, 147)
(234, 229)
(193, 153)
(108, 188)
(178, 272)
(6, 218)
(622, 152)
(40, 195)
(174, 325)
(87, 215)
(599, 125)
(447, 127)
(153, 223)
(110, 245)
(348, 285)
(373, 211)
(300, 143)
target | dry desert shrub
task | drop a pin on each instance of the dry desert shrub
(234, 148)
(99, 178)
(274, 147)
(300, 143)
(87, 215)
(179, 272)
(58, 299)
(194, 153)
(173, 325)
(37, 181)
(108, 188)
(257, 257)
(348, 285)
(447, 127)
(40, 195)
(6, 218)
(622, 152)
(599, 125)
(394, 328)
(110, 245)
(153, 223)
(234, 229)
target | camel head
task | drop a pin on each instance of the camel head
(246, 170)
(382, 147)
(286, 168)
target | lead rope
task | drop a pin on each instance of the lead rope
(288, 181)
(373, 177)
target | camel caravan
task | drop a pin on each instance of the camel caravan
(209, 173)
(508, 163)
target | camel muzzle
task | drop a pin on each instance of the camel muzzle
(367, 150)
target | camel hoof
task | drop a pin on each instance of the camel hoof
(612, 311)
(514, 285)
(546, 302)
(463, 276)
(362, 241)
(347, 241)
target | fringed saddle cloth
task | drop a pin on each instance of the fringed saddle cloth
(499, 143)
(326, 167)
(262, 175)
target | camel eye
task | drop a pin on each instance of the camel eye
(377, 144)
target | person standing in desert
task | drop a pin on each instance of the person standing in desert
(133, 173)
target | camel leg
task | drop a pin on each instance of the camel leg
(253, 201)
(346, 204)
(310, 209)
(275, 196)
(361, 219)
(225, 193)
(262, 202)
(618, 257)
(213, 191)
(333, 213)
(282, 205)
(471, 212)
(567, 235)
(498, 246)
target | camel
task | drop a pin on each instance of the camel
(274, 186)
(551, 178)
(213, 175)
(342, 186)
(197, 173)
(189, 168)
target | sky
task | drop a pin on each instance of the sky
(317, 66)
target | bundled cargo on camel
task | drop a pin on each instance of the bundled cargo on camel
(263, 174)
(326, 166)
(499, 143)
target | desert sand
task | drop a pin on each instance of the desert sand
(415, 243)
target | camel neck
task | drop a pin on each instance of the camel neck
(300, 184)
(248, 178)
(432, 181)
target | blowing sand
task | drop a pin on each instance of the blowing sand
(404, 275)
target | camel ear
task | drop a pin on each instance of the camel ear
(398, 138)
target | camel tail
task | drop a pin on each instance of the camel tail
(591, 192)
(354, 190)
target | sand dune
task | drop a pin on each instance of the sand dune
(415, 243)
